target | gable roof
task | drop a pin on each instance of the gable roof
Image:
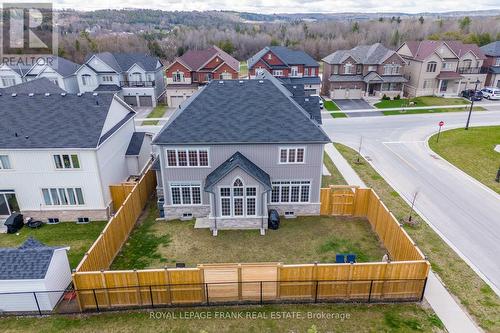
(135, 144)
(55, 121)
(31, 260)
(363, 54)
(37, 86)
(288, 56)
(245, 111)
(492, 49)
(460, 49)
(237, 160)
(423, 49)
(20, 70)
(196, 59)
(60, 65)
(121, 62)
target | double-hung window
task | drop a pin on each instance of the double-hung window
(277, 72)
(185, 193)
(178, 77)
(70, 196)
(187, 157)
(238, 200)
(5, 162)
(290, 191)
(292, 155)
(66, 161)
(431, 66)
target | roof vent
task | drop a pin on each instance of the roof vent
(240, 81)
(47, 94)
(31, 94)
(79, 94)
(95, 94)
(63, 94)
(294, 87)
(14, 95)
(261, 81)
(220, 82)
(306, 99)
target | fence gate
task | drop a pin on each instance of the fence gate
(338, 200)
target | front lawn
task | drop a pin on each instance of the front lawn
(243, 69)
(331, 106)
(301, 240)
(79, 237)
(423, 101)
(472, 151)
(157, 112)
(473, 293)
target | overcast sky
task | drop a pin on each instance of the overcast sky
(286, 6)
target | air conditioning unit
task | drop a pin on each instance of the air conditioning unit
(82, 220)
(290, 215)
(187, 216)
(53, 220)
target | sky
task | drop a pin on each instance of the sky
(285, 6)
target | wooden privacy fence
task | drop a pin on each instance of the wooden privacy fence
(132, 199)
(402, 279)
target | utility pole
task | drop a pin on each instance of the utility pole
(471, 105)
(359, 150)
(412, 207)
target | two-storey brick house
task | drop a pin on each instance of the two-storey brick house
(366, 70)
(196, 68)
(290, 66)
(442, 68)
(235, 150)
(492, 63)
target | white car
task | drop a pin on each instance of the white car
(491, 93)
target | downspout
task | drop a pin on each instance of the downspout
(214, 209)
(263, 212)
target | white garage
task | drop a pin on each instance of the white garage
(28, 272)
(346, 93)
(175, 101)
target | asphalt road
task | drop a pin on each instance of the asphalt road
(356, 104)
(463, 211)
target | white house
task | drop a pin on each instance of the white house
(11, 75)
(59, 153)
(29, 270)
(60, 71)
(136, 77)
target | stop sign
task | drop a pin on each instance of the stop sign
(441, 123)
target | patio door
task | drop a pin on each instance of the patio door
(444, 86)
(8, 203)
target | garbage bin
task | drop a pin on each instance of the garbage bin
(161, 210)
(273, 220)
(14, 222)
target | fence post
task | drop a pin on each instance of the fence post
(316, 292)
(370, 293)
(261, 300)
(423, 290)
(151, 295)
(37, 305)
(206, 293)
(96, 303)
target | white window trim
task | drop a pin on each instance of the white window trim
(66, 191)
(187, 156)
(181, 184)
(231, 198)
(287, 150)
(2, 168)
(289, 202)
(63, 168)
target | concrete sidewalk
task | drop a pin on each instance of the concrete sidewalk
(454, 318)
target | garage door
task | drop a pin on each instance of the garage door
(131, 100)
(353, 94)
(145, 101)
(175, 101)
(346, 94)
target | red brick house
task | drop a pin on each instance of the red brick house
(195, 68)
(290, 66)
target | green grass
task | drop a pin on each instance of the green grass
(360, 318)
(79, 237)
(243, 69)
(472, 151)
(474, 294)
(331, 106)
(423, 101)
(301, 240)
(157, 112)
(335, 178)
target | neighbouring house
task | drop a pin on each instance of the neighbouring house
(492, 63)
(236, 149)
(363, 71)
(60, 152)
(11, 75)
(60, 71)
(442, 68)
(196, 68)
(35, 86)
(136, 77)
(32, 267)
(290, 66)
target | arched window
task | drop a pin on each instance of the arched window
(431, 66)
(86, 78)
(238, 183)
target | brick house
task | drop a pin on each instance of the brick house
(492, 63)
(196, 68)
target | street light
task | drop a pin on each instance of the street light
(472, 104)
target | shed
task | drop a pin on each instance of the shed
(33, 276)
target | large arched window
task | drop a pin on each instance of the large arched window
(431, 66)
(86, 79)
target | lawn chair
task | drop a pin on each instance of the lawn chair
(351, 258)
(340, 259)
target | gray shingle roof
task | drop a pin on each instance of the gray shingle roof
(492, 49)
(301, 80)
(364, 54)
(54, 121)
(107, 88)
(31, 260)
(288, 56)
(36, 86)
(237, 160)
(495, 70)
(311, 105)
(135, 144)
(122, 62)
(246, 111)
(345, 78)
(64, 67)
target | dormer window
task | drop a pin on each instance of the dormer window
(178, 76)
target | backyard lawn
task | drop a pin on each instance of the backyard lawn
(335, 178)
(474, 294)
(243, 69)
(79, 237)
(472, 151)
(331, 106)
(157, 112)
(423, 101)
(361, 318)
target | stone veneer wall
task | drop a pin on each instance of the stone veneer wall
(299, 209)
(176, 212)
(67, 215)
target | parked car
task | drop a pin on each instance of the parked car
(472, 94)
(491, 93)
(321, 103)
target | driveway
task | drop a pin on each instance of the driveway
(356, 104)
(461, 210)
